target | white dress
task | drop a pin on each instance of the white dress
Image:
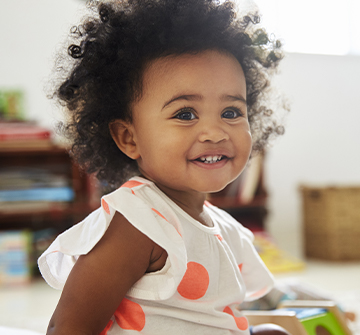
(208, 273)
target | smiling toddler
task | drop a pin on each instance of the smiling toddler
(166, 102)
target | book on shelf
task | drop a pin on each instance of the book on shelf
(33, 188)
(26, 207)
(38, 194)
(10, 131)
(32, 177)
(25, 144)
(19, 250)
(15, 257)
(24, 135)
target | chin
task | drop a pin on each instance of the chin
(214, 188)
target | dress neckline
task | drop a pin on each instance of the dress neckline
(211, 230)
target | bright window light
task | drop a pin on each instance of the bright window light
(312, 26)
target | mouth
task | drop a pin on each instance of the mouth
(210, 159)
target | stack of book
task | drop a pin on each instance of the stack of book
(24, 135)
(32, 189)
(15, 257)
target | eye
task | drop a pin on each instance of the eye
(185, 114)
(232, 113)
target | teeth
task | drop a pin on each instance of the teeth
(210, 159)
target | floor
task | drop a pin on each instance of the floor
(30, 307)
(338, 281)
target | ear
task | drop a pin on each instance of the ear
(123, 134)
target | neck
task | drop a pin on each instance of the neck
(190, 202)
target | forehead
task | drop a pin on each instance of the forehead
(205, 71)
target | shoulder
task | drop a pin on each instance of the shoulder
(133, 211)
(139, 200)
(122, 239)
(135, 191)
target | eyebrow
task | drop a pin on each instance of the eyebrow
(197, 97)
(237, 97)
(187, 97)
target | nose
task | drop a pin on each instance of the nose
(213, 132)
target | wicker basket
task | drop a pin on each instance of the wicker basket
(331, 218)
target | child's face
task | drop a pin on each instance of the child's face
(190, 130)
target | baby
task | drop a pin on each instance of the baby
(165, 99)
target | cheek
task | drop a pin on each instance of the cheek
(155, 149)
(244, 142)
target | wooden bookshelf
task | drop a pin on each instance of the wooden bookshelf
(41, 215)
(251, 214)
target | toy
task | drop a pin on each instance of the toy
(304, 318)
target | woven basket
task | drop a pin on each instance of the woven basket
(331, 217)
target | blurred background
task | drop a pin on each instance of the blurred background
(320, 77)
(302, 198)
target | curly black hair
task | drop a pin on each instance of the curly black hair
(111, 49)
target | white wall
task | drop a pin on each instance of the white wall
(321, 143)
(322, 135)
(30, 32)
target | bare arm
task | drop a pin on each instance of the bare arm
(99, 280)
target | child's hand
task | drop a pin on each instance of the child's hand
(269, 329)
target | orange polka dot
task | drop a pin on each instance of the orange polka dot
(105, 206)
(241, 322)
(158, 213)
(219, 237)
(195, 282)
(240, 267)
(107, 328)
(129, 315)
(131, 183)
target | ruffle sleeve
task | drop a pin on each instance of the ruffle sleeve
(146, 211)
